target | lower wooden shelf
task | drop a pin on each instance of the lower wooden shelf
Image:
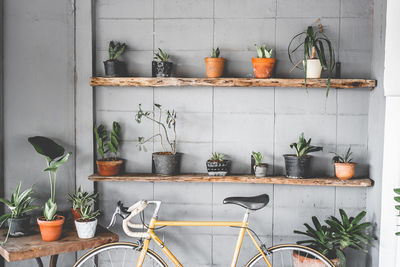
(240, 178)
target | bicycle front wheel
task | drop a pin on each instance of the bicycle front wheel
(118, 254)
(291, 256)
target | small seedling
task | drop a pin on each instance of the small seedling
(217, 157)
(215, 53)
(258, 157)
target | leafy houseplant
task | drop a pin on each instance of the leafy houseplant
(338, 234)
(55, 156)
(165, 162)
(298, 165)
(87, 223)
(161, 67)
(313, 46)
(397, 207)
(113, 67)
(214, 64)
(108, 145)
(344, 165)
(19, 205)
(217, 165)
(260, 168)
(80, 199)
(264, 63)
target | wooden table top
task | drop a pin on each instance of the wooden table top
(32, 246)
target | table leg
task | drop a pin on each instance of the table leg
(39, 262)
(53, 261)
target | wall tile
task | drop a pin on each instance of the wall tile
(355, 101)
(183, 9)
(307, 8)
(194, 162)
(355, 34)
(124, 9)
(238, 63)
(241, 9)
(352, 129)
(356, 8)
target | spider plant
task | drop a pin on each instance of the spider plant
(313, 44)
(346, 158)
(304, 147)
(88, 214)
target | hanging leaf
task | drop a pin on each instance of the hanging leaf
(46, 147)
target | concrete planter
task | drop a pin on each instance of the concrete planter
(314, 68)
(297, 167)
(218, 168)
(167, 163)
(19, 226)
(161, 69)
(261, 170)
(86, 229)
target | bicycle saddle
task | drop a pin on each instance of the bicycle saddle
(251, 203)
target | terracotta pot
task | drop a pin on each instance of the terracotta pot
(75, 216)
(344, 171)
(263, 67)
(51, 230)
(109, 167)
(301, 261)
(214, 66)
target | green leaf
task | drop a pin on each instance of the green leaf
(4, 218)
(46, 147)
(397, 191)
(54, 167)
(50, 210)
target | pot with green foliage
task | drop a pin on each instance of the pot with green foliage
(161, 67)
(50, 224)
(298, 165)
(314, 57)
(260, 168)
(87, 223)
(113, 67)
(397, 206)
(263, 65)
(214, 64)
(344, 165)
(19, 205)
(334, 237)
(108, 144)
(80, 199)
(217, 165)
(168, 161)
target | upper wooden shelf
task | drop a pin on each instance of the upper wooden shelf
(230, 82)
(242, 178)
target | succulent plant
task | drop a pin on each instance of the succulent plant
(346, 158)
(161, 56)
(263, 51)
(215, 53)
(115, 50)
(217, 157)
(258, 157)
(304, 147)
(81, 198)
(88, 214)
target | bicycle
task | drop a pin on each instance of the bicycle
(116, 254)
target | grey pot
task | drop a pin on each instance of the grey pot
(19, 226)
(297, 167)
(261, 170)
(167, 164)
(86, 229)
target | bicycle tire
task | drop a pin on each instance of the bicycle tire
(258, 259)
(152, 258)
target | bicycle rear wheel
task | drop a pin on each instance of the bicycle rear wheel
(118, 254)
(291, 256)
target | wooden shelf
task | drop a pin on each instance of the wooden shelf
(241, 178)
(230, 82)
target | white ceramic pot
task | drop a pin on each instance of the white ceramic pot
(314, 68)
(261, 171)
(86, 229)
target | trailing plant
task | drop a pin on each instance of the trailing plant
(346, 158)
(107, 144)
(81, 198)
(397, 207)
(161, 56)
(88, 214)
(217, 157)
(258, 158)
(263, 51)
(313, 45)
(215, 53)
(304, 147)
(55, 156)
(163, 128)
(115, 50)
(338, 234)
(19, 205)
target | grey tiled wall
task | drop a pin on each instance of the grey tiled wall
(236, 121)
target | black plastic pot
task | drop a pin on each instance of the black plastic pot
(297, 167)
(19, 226)
(115, 68)
(218, 168)
(167, 164)
(161, 69)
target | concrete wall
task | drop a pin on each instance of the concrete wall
(38, 94)
(235, 121)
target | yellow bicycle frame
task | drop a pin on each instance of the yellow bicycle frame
(155, 223)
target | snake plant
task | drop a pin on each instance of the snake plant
(304, 147)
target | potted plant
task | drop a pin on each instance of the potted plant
(397, 207)
(80, 199)
(260, 168)
(165, 162)
(314, 58)
(217, 165)
(87, 223)
(50, 224)
(298, 165)
(214, 64)
(344, 165)
(19, 205)
(111, 165)
(113, 67)
(333, 238)
(264, 63)
(161, 67)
